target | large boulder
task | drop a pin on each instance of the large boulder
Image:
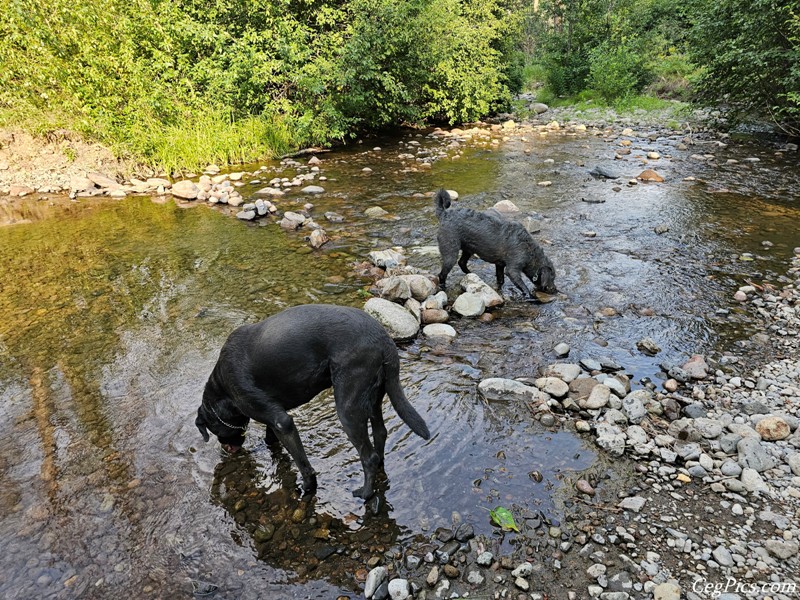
(475, 285)
(185, 189)
(399, 323)
(469, 305)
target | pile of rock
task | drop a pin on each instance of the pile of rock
(406, 298)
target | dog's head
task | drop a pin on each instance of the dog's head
(229, 433)
(545, 280)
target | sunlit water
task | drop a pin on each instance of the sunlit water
(112, 314)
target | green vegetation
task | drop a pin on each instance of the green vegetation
(179, 84)
(185, 82)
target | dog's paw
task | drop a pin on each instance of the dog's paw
(363, 493)
(309, 486)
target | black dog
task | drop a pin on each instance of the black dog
(504, 243)
(282, 362)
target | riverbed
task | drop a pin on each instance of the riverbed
(112, 313)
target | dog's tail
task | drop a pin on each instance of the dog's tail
(441, 202)
(401, 404)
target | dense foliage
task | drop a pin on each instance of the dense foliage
(751, 57)
(188, 81)
(179, 83)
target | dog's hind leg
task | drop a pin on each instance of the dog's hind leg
(350, 407)
(465, 256)
(379, 432)
(269, 437)
(515, 275)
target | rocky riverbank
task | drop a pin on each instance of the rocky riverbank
(711, 507)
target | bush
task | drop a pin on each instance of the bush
(617, 71)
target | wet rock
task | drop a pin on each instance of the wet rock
(604, 172)
(648, 346)
(420, 286)
(584, 487)
(523, 570)
(582, 387)
(313, 189)
(318, 238)
(591, 364)
(334, 217)
(399, 323)
(386, 259)
(485, 559)
(375, 212)
(433, 576)
(375, 578)
(649, 175)
(473, 284)
(475, 578)
(469, 305)
(399, 589)
(439, 330)
(561, 350)
(292, 220)
(773, 429)
(496, 388)
(619, 388)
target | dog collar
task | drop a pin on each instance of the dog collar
(224, 423)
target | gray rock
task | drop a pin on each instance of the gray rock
(475, 577)
(634, 503)
(793, 460)
(553, 386)
(523, 570)
(723, 556)
(603, 172)
(393, 288)
(561, 349)
(318, 238)
(485, 559)
(439, 330)
(731, 468)
(752, 455)
(695, 410)
(399, 323)
(696, 367)
(591, 364)
(728, 442)
(374, 578)
(709, 428)
(475, 285)
(598, 398)
(496, 388)
(648, 346)
(270, 191)
(782, 549)
(566, 372)
(633, 405)
(291, 220)
(752, 481)
(246, 215)
(386, 259)
(617, 387)
(399, 589)
(469, 305)
(313, 189)
(610, 438)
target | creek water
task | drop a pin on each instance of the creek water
(112, 314)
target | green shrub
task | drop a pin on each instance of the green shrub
(617, 71)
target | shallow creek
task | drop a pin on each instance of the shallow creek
(112, 314)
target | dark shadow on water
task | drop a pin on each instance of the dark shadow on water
(291, 532)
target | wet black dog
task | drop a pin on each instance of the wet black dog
(268, 368)
(504, 243)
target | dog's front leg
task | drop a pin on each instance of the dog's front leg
(285, 430)
(516, 278)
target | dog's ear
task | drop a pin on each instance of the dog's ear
(201, 425)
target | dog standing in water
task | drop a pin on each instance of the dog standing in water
(268, 368)
(504, 243)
